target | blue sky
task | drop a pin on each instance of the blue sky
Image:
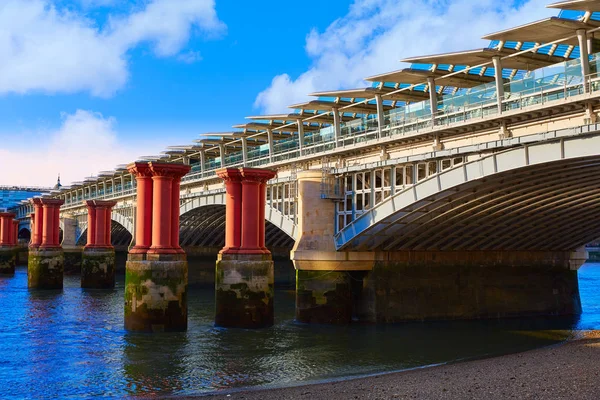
(88, 84)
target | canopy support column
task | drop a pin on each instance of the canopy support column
(245, 151)
(337, 126)
(432, 99)
(584, 57)
(499, 82)
(270, 140)
(300, 136)
(380, 119)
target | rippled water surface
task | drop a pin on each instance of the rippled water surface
(72, 343)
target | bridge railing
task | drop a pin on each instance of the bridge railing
(554, 83)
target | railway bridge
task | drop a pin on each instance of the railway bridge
(464, 186)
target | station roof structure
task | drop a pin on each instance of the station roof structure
(544, 31)
(524, 61)
(322, 105)
(309, 117)
(577, 5)
(415, 76)
(370, 92)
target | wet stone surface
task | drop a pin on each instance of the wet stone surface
(323, 297)
(156, 296)
(45, 269)
(98, 269)
(8, 259)
(244, 292)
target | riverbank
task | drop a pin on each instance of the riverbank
(567, 371)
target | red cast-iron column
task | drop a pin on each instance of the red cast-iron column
(143, 216)
(253, 209)
(233, 209)
(6, 229)
(50, 223)
(91, 229)
(39, 222)
(163, 220)
(99, 224)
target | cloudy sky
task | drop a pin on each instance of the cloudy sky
(89, 84)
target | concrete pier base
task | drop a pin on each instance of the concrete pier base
(73, 259)
(45, 268)
(244, 290)
(8, 260)
(98, 269)
(323, 297)
(156, 293)
(436, 286)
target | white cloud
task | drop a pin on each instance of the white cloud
(50, 49)
(375, 34)
(190, 57)
(85, 144)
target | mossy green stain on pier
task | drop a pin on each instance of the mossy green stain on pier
(156, 296)
(45, 269)
(8, 259)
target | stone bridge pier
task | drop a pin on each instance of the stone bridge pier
(245, 273)
(375, 285)
(8, 243)
(45, 267)
(98, 259)
(156, 276)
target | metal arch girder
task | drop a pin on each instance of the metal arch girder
(587, 200)
(509, 204)
(573, 198)
(272, 215)
(464, 240)
(512, 159)
(512, 195)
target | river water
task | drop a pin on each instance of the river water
(72, 343)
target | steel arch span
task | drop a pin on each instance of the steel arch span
(543, 196)
(204, 226)
(215, 205)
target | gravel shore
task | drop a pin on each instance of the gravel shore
(566, 371)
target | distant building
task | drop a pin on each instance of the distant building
(11, 196)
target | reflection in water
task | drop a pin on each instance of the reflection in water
(72, 342)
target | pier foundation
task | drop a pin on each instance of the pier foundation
(45, 268)
(8, 260)
(98, 269)
(156, 276)
(323, 297)
(156, 293)
(244, 290)
(245, 274)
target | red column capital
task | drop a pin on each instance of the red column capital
(257, 174)
(140, 170)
